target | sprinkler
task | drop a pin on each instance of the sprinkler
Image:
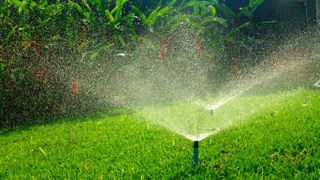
(195, 152)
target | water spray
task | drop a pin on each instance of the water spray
(317, 84)
(195, 152)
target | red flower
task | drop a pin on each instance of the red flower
(162, 52)
(42, 74)
(198, 45)
(74, 87)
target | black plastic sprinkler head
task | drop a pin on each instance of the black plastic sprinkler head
(195, 152)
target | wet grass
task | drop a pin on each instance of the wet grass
(191, 117)
(282, 141)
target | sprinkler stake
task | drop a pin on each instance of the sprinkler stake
(195, 152)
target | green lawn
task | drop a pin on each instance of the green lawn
(280, 140)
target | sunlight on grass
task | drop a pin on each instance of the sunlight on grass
(282, 135)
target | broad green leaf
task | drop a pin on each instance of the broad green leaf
(81, 10)
(94, 55)
(213, 11)
(87, 5)
(165, 10)
(142, 16)
(238, 29)
(122, 41)
(228, 13)
(109, 15)
(152, 17)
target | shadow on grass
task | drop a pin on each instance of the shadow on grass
(88, 116)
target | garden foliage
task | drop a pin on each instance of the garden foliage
(36, 33)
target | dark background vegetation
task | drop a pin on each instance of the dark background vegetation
(47, 46)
